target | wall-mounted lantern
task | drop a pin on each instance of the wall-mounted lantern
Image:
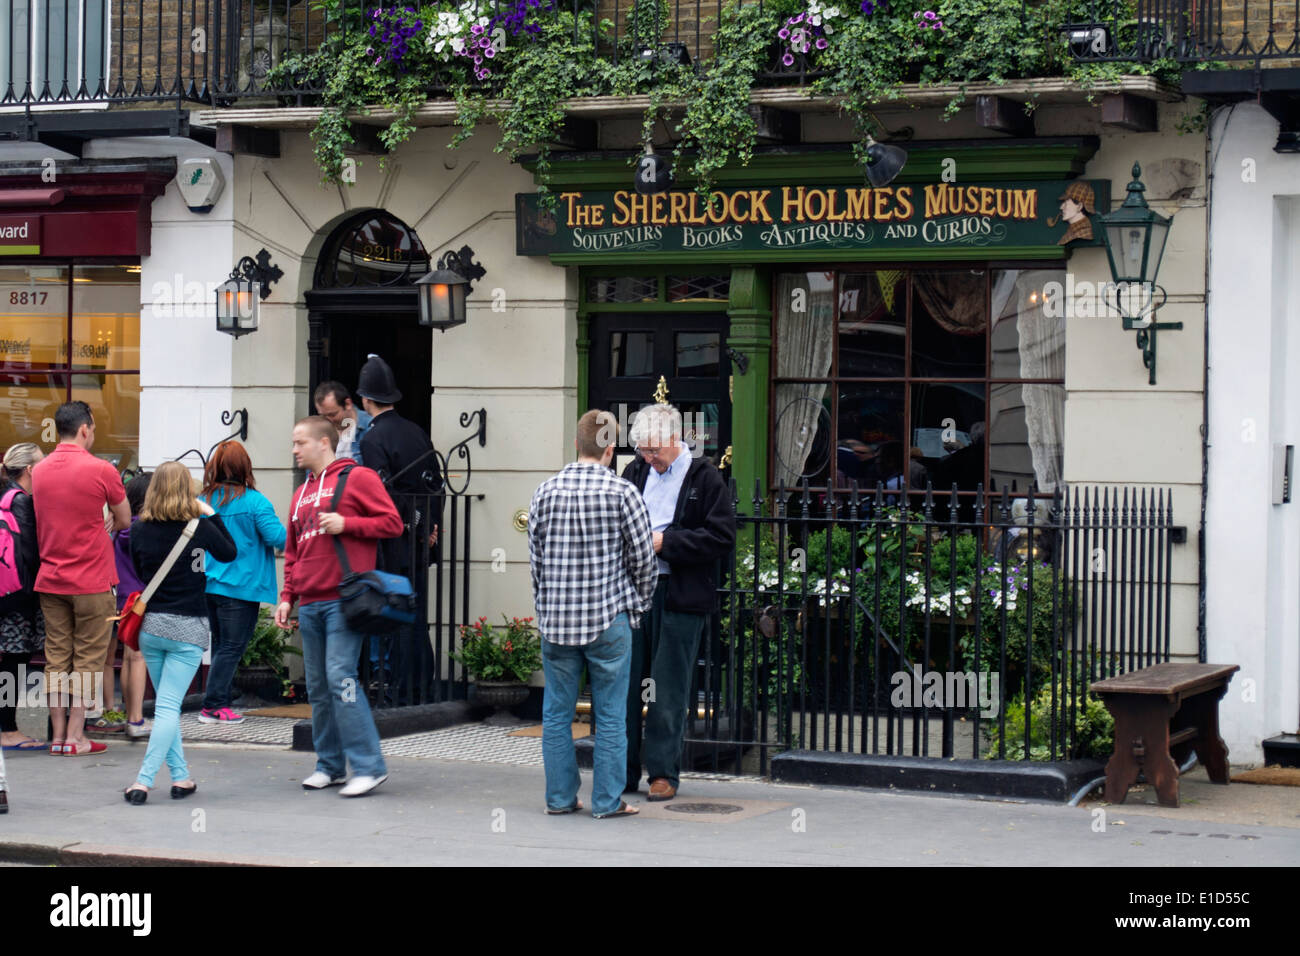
(443, 291)
(1135, 236)
(238, 297)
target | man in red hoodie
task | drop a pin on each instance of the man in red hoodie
(342, 729)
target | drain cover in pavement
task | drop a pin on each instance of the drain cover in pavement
(713, 811)
(703, 808)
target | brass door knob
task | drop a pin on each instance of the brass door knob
(521, 520)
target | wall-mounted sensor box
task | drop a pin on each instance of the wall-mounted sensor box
(200, 182)
(1283, 462)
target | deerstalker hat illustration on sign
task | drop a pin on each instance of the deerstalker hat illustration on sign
(1081, 193)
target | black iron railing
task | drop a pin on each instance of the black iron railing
(1188, 31)
(414, 665)
(871, 624)
(219, 51)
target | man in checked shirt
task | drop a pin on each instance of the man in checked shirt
(594, 571)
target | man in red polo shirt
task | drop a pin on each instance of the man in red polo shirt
(70, 488)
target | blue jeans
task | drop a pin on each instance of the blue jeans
(172, 665)
(232, 622)
(608, 659)
(342, 730)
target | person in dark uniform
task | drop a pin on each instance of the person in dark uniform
(402, 453)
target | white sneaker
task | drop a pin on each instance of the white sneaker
(320, 780)
(360, 786)
(137, 732)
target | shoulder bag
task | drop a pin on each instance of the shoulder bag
(128, 622)
(374, 602)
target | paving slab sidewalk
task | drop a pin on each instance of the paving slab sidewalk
(251, 809)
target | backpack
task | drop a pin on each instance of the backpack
(10, 550)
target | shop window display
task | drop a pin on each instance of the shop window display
(945, 376)
(71, 332)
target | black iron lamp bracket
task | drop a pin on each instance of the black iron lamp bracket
(258, 270)
(462, 263)
(227, 419)
(738, 359)
(1147, 328)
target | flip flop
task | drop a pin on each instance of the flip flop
(30, 743)
(577, 805)
(624, 810)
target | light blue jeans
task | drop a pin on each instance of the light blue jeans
(608, 660)
(172, 665)
(342, 729)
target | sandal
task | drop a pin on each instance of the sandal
(624, 810)
(30, 743)
(577, 805)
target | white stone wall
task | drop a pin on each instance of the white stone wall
(1252, 545)
(1119, 429)
(520, 364)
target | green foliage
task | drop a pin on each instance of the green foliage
(564, 54)
(510, 651)
(268, 644)
(718, 125)
(542, 72)
(1094, 728)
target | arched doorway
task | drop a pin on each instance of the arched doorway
(363, 300)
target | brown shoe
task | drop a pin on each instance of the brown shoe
(661, 789)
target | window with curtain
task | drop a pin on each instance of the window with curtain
(950, 376)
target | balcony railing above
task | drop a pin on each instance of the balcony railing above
(220, 52)
(1231, 32)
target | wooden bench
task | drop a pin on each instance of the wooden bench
(1161, 714)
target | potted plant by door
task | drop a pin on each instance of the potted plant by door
(500, 658)
(261, 670)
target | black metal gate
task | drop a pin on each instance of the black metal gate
(944, 627)
(413, 665)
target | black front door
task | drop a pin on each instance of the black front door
(399, 341)
(631, 352)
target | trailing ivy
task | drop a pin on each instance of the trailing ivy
(517, 67)
(718, 124)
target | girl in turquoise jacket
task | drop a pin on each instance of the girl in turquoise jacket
(236, 589)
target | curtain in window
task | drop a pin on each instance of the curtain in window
(955, 300)
(804, 323)
(1042, 355)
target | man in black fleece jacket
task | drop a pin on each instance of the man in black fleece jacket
(694, 527)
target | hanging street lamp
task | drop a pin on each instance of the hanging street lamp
(443, 291)
(239, 296)
(1135, 236)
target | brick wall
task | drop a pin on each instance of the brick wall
(146, 35)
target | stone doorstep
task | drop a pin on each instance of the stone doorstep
(1282, 750)
(400, 721)
(1058, 781)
